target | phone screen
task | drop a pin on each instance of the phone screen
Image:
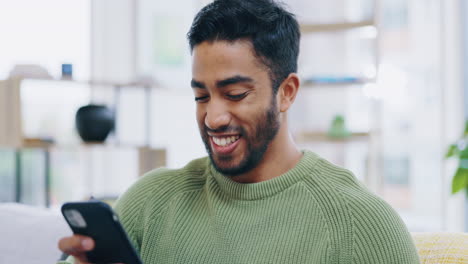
(98, 221)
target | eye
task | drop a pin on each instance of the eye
(237, 97)
(201, 99)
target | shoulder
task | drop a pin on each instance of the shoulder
(152, 192)
(146, 197)
(162, 183)
(327, 181)
(379, 233)
(161, 178)
(376, 232)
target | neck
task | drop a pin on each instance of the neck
(281, 156)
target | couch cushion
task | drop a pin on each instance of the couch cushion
(441, 247)
(30, 234)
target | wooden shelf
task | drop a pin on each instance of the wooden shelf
(313, 137)
(31, 143)
(312, 84)
(316, 28)
(97, 83)
(148, 157)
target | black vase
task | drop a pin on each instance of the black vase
(94, 122)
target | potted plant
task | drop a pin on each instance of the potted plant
(460, 151)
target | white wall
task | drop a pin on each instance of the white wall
(123, 52)
(113, 40)
(453, 106)
(46, 32)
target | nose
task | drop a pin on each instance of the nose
(217, 115)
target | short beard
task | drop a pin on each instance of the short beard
(266, 130)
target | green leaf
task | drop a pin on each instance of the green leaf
(464, 153)
(452, 151)
(460, 180)
(465, 133)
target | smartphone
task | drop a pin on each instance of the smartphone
(98, 221)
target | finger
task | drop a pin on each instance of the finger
(76, 244)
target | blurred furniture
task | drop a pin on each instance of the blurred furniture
(37, 173)
(30, 234)
(339, 62)
(40, 162)
(15, 98)
(10, 113)
(442, 248)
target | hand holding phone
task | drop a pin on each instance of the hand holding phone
(77, 246)
(96, 220)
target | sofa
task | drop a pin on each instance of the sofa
(440, 248)
(30, 234)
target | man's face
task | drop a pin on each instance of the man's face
(236, 110)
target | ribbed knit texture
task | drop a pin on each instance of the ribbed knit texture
(314, 213)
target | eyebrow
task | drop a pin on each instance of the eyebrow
(223, 83)
(197, 84)
(233, 80)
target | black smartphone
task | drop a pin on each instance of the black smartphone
(98, 221)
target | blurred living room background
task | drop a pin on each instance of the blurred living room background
(383, 86)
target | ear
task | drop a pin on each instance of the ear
(287, 92)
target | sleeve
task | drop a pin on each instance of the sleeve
(129, 216)
(130, 207)
(379, 234)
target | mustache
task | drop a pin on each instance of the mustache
(225, 129)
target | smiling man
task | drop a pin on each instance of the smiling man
(241, 118)
(256, 198)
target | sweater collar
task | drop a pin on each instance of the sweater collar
(260, 190)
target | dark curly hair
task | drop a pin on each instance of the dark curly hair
(273, 32)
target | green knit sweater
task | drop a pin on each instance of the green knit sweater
(314, 213)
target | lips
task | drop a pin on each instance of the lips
(224, 144)
(225, 141)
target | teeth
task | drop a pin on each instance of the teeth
(225, 141)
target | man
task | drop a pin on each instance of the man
(257, 198)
